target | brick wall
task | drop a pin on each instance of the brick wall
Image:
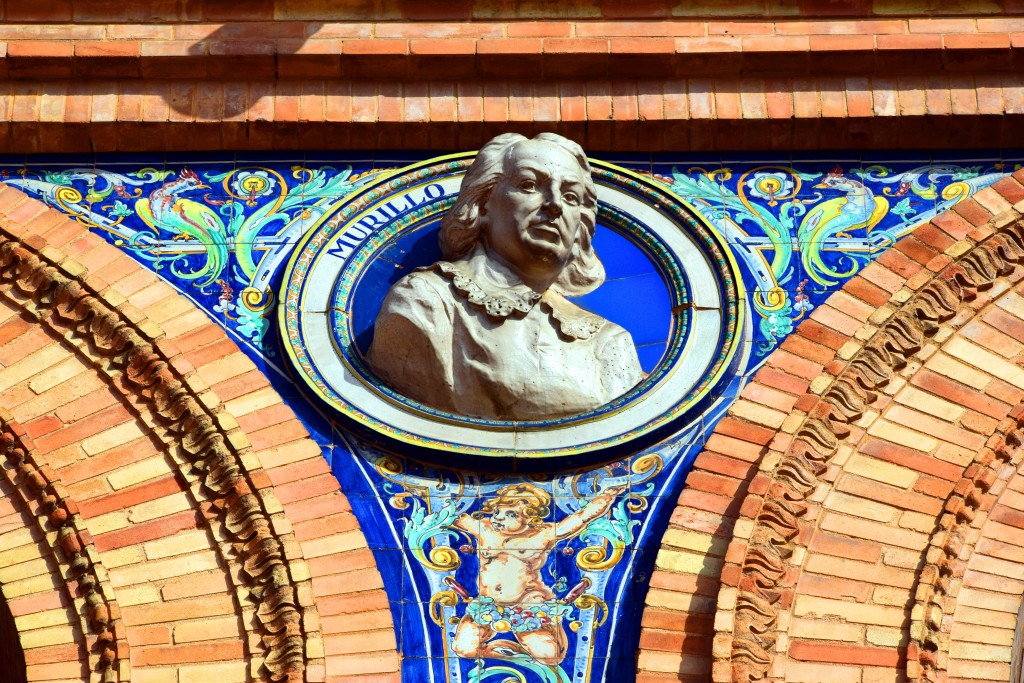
(916, 510)
(614, 75)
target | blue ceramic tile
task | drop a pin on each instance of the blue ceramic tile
(196, 158)
(262, 158)
(140, 159)
(707, 159)
(650, 355)
(804, 158)
(620, 255)
(636, 161)
(639, 303)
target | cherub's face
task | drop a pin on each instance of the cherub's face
(508, 519)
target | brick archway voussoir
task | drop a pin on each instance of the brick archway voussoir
(747, 493)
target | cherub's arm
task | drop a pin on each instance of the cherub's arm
(467, 525)
(577, 521)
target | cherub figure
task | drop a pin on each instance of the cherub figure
(513, 543)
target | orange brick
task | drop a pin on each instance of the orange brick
(306, 488)
(148, 635)
(130, 496)
(354, 603)
(129, 453)
(325, 526)
(193, 585)
(834, 587)
(37, 602)
(40, 48)
(304, 469)
(794, 364)
(52, 653)
(93, 424)
(844, 654)
(723, 464)
(277, 435)
(575, 45)
(188, 653)
(976, 41)
(715, 484)
(192, 608)
(348, 583)
(538, 29)
(370, 641)
(319, 507)
(805, 348)
(341, 563)
(148, 531)
(890, 495)
(442, 47)
(108, 48)
(766, 395)
(841, 546)
(973, 212)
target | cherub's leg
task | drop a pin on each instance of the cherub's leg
(548, 645)
(470, 638)
(503, 649)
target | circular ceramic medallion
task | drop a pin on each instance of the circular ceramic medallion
(671, 283)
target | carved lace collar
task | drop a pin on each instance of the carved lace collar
(494, 289)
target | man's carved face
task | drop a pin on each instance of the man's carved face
(533, 214)
(508, 519)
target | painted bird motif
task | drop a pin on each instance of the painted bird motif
(188, 219)
(857, 209)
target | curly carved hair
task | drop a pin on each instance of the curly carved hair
(537, 502)
(461, 226)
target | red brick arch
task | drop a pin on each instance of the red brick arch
(225, 537)
(833, 511)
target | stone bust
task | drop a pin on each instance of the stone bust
(488, 332)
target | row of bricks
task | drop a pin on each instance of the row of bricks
(31, 567)
(164, 11)
(931, 422)
(295, 30)
(912, 133)
(968, 222)
(695, 99)
(799, 650)
(525, 58)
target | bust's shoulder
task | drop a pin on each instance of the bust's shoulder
(610, 330)
(420, 283)
(423, 294)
